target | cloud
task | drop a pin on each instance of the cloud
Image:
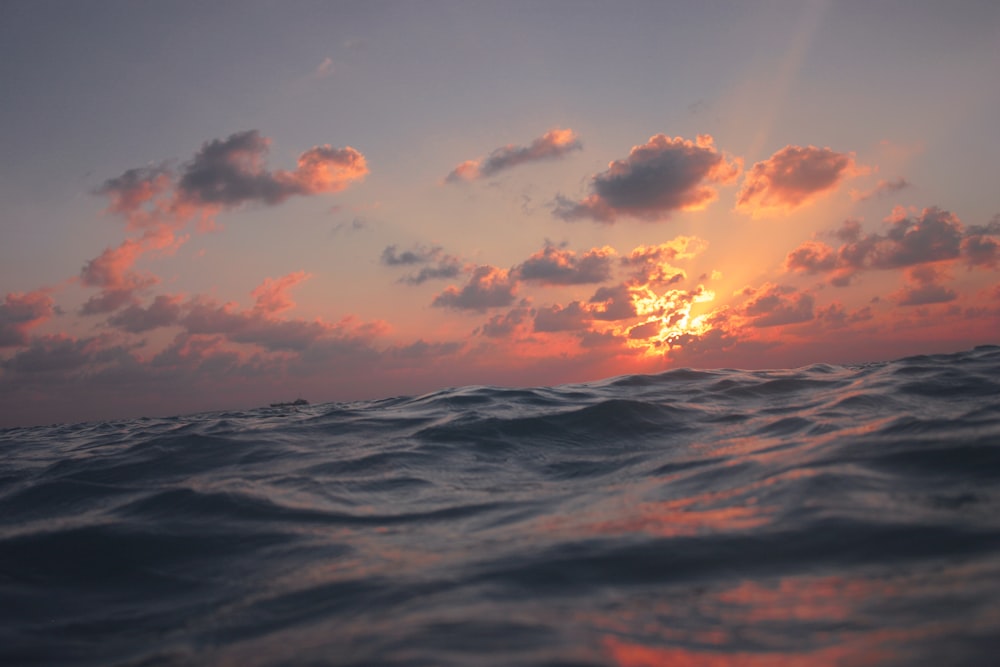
(230, 172)
(774, 305)
(52, 354)
(977, 246)
(164, 311)
(553, 144)
(792, 178)
(224, 173)
(488, 287)
(834, 316)
(557, 266)
(650, 265)
(20, 312)
(935, 235)
(573, 317)
(881, 188)
(612, 303)
(657, 178)
(924, 288)
(812, 257)
(111, 271)
(444, 265)
(206, 316)
(137, 194)
(271, 296)
(325, 68)
(507, 324)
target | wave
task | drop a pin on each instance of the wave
(826, 515)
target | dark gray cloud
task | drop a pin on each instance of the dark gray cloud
(924, 287)
(205, 316)
(572, 317)
(558, 266)
(443, 266)
(657, 178)
(612, 303)
(881, 188)
(52, 354)
(776, 305)
(19, 313)
(421, 349)
(553, 144)
(229, 172)
(108, 301)
(935, 235)
(488, 287)
(506, 324)
(164, 311)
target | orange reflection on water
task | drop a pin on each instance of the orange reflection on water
(627, 654)
(671, 518)
(803, 599)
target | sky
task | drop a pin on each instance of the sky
(220, 205)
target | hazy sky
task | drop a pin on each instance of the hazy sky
(221, 204)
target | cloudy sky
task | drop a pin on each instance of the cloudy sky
(219, 205)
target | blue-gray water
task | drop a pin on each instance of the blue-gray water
(827, 515)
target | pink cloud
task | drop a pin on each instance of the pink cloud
(223, 174)
(20, 312)
(271, 297)
(657, 178)
(792, 178)
(924, 287)
(553, 144)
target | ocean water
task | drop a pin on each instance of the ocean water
(827, 515)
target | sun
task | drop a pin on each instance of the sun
(666, 317)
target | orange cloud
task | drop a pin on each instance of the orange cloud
(793, 177)
(657, 178)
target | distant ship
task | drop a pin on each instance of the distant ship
(291, 404)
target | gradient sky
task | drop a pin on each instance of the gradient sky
(218, 205)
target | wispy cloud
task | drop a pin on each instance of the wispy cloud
(551, 145)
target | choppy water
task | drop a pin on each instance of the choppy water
(821, 516)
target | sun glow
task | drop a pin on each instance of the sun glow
(667, 316)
